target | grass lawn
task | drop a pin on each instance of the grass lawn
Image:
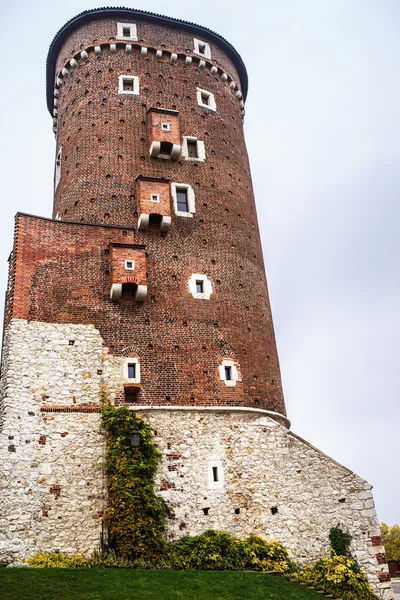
(136, 584)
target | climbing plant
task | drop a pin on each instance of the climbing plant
(135, 516)
(340, 541)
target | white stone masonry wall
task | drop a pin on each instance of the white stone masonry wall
(247, 472)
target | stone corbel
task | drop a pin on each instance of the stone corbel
(143, 222)
(116, 292)
(141, 293)
(165, 224)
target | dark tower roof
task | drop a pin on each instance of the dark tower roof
(105, 13)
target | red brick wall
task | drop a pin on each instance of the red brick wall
(119, 274)
(63, 275)
(63, 271)
(145, 189)
(155, 131)
(149, 34)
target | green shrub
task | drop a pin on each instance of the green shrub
(337, 575)
(56, 560)
(259, 554)
(221, 551)
(210, 550)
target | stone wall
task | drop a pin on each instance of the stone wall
(233, 469)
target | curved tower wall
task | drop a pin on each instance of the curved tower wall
(103, 146)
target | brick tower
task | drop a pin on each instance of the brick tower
(148, 286)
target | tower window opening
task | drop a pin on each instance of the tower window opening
(228, 373)
(182, 200)
(215, 473)
(130, 265)
(205, 510)
(131, 371)
(165, 126)
(57, 174)
(166, 148)
(202, 48)
(206, 99)
(127, 85)
(126, 31)
(155, 197)
(192, 149)
(155, 219)
(199, 287)
(132, 395)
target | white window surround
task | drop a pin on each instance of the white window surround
(155, 197)
(165, 126)
(135, 82)
(207, 287)
(211, 100)
(211, 483)
(197, 46)
(120, 31)
(234, 372)
(201, 150)
(129, 265)
(190, 199)
(57, 173)
(130, 361)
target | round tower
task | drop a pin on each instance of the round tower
(148, 116)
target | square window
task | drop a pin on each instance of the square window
(228, 373)
(199, 287)
(155, 197)
(206, 99)
(192, 149)
(182, 200)
(127, 85)
(202, 48)
(130, 265)
(131, 370)
(165, 126)
(126, 31)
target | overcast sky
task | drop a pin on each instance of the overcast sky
(323, 134)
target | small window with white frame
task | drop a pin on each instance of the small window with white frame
(57, 173)
(183, 198)
(129, 265)
(206, 99)
(165, 126)
(132, 370)
(228, 372)
(126, 31)
(202, 48)
(155, 197)
(128, 84)
(193, 149)
(200, 286)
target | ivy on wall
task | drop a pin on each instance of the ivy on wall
(135, 516)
